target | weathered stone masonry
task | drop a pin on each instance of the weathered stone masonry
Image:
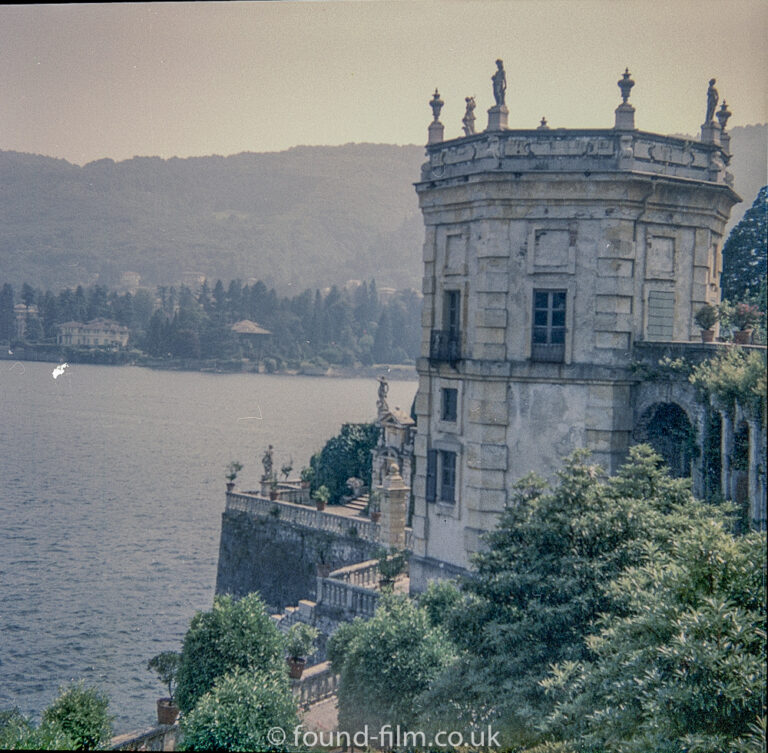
(549, 256)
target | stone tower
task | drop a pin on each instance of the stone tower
(552, 256)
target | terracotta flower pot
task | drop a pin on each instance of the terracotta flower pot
(167, 711)
(323, 570)
(230, 486)
(707, 335)
(742, 336)
(376, 516)
(320, 505)
(296, 667)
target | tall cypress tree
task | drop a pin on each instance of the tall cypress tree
(744, 253)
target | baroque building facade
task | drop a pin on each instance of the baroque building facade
(554, 261)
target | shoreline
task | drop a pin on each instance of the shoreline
(399, 372)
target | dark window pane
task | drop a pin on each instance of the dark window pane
(548, 331)
(450, 400)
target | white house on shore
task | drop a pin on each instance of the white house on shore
(98, 332)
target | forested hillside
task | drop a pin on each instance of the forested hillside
(306, 217)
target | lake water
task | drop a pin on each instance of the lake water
(111, 493)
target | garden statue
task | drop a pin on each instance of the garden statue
(381, 403)
(469, 116)
(712, 97)
(499, 83)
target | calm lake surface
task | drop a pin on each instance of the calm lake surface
(111, 494)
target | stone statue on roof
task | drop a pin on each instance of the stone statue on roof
(712, 97)
(499, 83)
(469, 116)
(381, 403)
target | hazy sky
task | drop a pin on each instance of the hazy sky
(88, 81)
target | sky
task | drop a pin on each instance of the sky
(88, 81)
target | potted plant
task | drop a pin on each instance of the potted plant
(299, 643)
(744, 316)
(706, 317)
(166, 666)
(391, 564)
(321, 495)
(306, 475)
(232, 470)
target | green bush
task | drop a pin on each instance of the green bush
(540, 586)
(683, 668)
(238, 712)
(81, 713)
(385, 663)
(19, 733)
(232, 634)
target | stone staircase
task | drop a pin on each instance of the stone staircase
(359, 504)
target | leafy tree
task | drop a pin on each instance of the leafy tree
(683, 668)
(81, 713)
(385, 663)
(232, 634)
(238, 712)
(19, 733)
(345, 455)
(540, 585)
(166, 666)
(745, 252)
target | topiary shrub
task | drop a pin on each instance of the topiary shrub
(232, 634)
(239, 711)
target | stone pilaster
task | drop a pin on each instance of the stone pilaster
(394, 496)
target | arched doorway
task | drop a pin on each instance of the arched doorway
(666, 427)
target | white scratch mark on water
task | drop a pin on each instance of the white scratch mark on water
(260, 417)
(59, 370)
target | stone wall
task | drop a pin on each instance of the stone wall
(279, 558)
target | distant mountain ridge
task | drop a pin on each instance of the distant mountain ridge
(310, 216)
(304, 217)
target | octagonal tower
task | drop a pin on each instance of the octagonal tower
(550, 256)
